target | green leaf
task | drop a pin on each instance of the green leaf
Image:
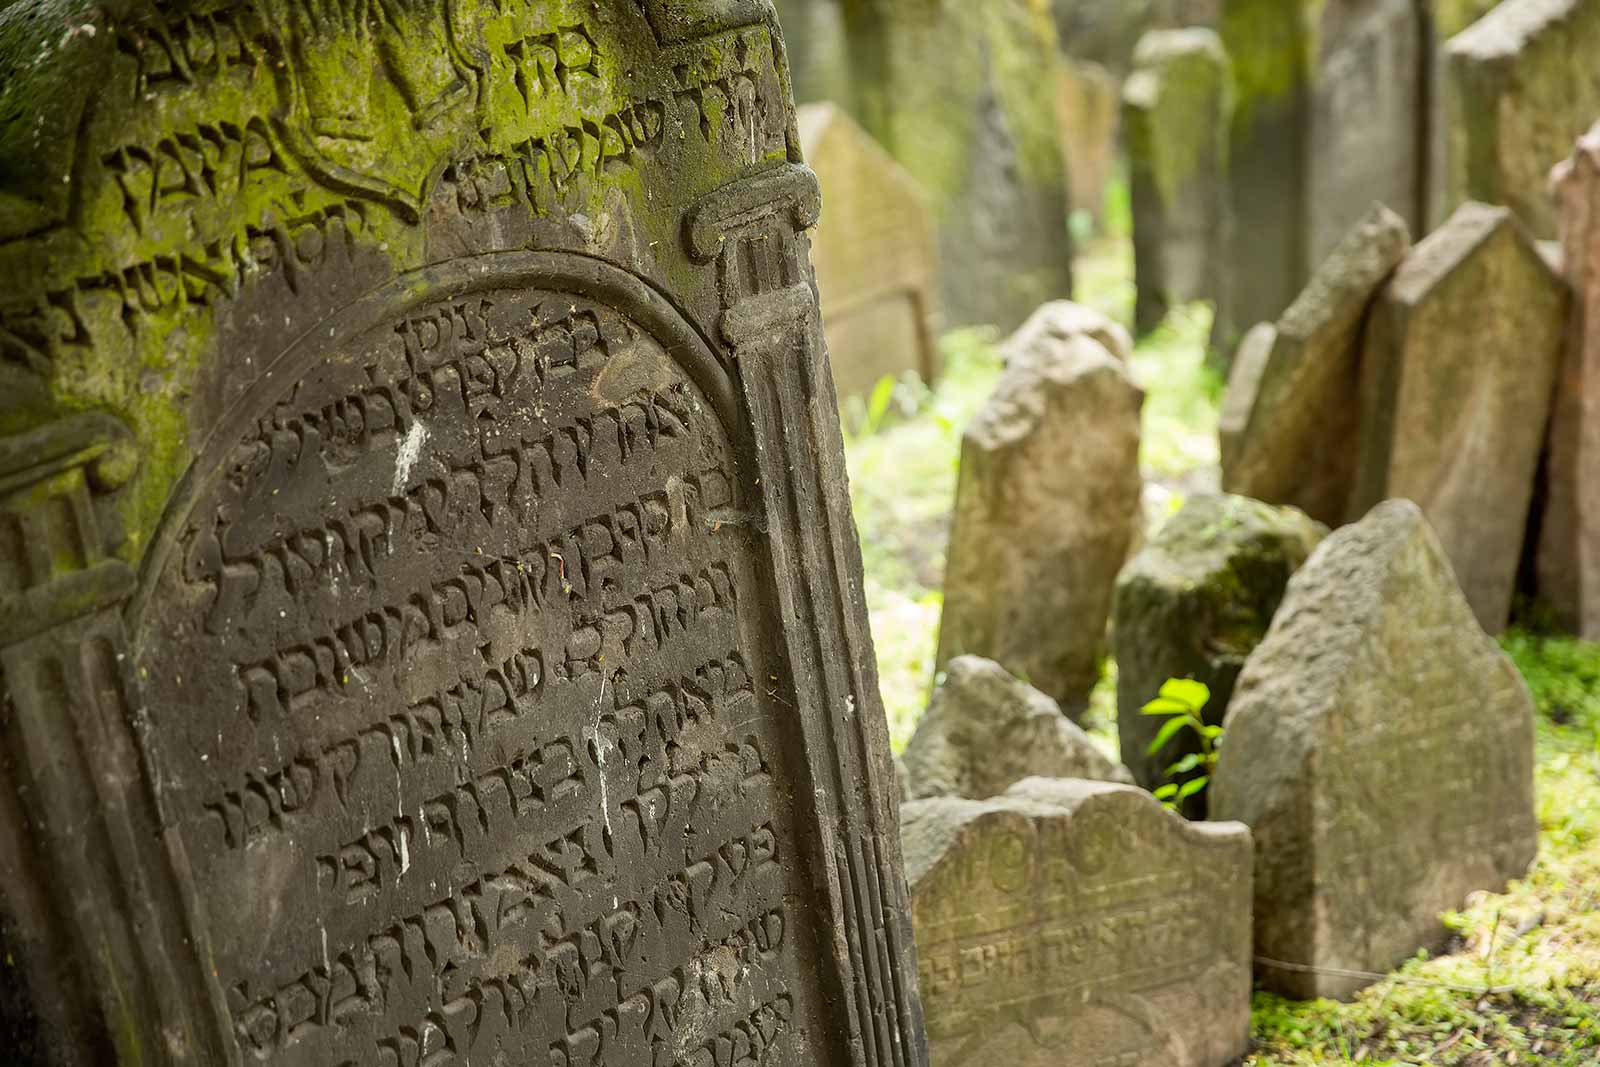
(1163, 706)
(1186, 691)
(1185, 765)
(878, 404)
(1168, 731)
(1193, 786)
(1163, 792)
(1213, 732)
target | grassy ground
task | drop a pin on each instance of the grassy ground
(1521, 983)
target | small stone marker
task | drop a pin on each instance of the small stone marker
(1078, 924)
(985, 731)
(1380, 748)
(1524, 86)
(1194, 603)
(1569, 538)
(1177, 107)
(1059, 321)
(1047, 508)
(1461, 355)
(1244, 382)
(875, 254)
(428, 595)
(1088, 106)
(1299, 444)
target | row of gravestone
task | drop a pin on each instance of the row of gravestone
(1459, 373)
(1378, 768)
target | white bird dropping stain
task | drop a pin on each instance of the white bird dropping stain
(406, 458)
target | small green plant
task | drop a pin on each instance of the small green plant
(1182, 702)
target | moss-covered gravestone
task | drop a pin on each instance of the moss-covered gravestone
(430, 616)
(1087, 101)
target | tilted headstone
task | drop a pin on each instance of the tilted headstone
(1461, 355)
(964, 95)
(1329, 119)
(1088, 105)
(1568, 562)
(875, 255)
(1449, 18)
(986, 730)
(1380, 748)
(1194, 603)
(1244, 381)
(1047, 509)
(1079, 924)
(1177, 107)
(1523, 87)
(430, 613)
(1299, 444)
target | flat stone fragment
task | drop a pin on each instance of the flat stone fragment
(1299, 444)
(1194, 603)
(1380, 748)
(1523, 87)
(1460, 359)
(428, 591)
(1087, 102)
(1177, 107)
(985, 731)
(1047, 508)
(1077, 924)
(875, 254)
(1568, 564)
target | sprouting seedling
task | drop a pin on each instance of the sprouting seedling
(1181, 702)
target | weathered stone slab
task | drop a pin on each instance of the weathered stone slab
(1177, 108)
(1059, 321)
(1524, 86)
(986, 730)
(1194, 603)
(875, 255)
(1449, 18)
(1460, 359)
(1047, 507)
(964, 95)
(427, 586)
(1300, 442)
(1380, 748)
(1568, 563)
(1070, 924)
(1244, 382)
(818, 51)
(1330, 99)
(1087, 101)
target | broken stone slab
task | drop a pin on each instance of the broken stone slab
(1076, 924)
(1060, 320)
(1379, 746)
(986, 730)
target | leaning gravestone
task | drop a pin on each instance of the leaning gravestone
(430, 603)
(1568, 563)
(1244, 381)
(1078, 924)
(1380, 748)
(1176, 108)
(1194, 603)
(1047, 508)
(1298, 445)
(986, 730)
(1462, 351)
(1523, 87)
(875, 256)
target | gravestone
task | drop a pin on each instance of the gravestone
(1524, 86)
(1047, 508)
(1299, 444)
(819, 58)
(1076, 924)
(1568, 562)
(1380, 748)
(1087, 102)
(1448, 17)
(1328, 119)
(964, 96)
(1244, 381)
(1461, 355)
(429, 603)
(1194, 603)
(875, 256)
(985, 731)
(1176, 109)
(1059, 321)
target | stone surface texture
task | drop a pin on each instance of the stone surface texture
(1461, 355)
(1194, 603)
(1299, 444)
(1380, 747)
(1059, 321)
(1177, 109)
(876, 256)
(985, 731)
(1047, 509)
(1076, 924)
